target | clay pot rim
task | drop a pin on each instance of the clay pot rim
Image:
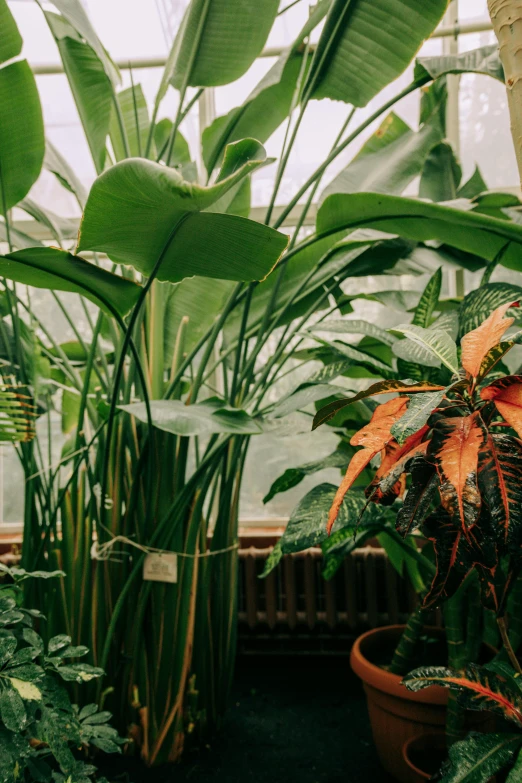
(386, 681)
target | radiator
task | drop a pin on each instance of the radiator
(295, 609)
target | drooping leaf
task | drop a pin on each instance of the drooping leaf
(480, 235)
(477, 343)
(506, 393)
(205, 418)
(219, 40)
(48, 267)
(374, 42)
(435, 340)
(454, 449)
(139, 212)
(90, 85)
(484, 60)
(373, 438)
(382, 387)
(57, 165)
(22, 141)
(420, 408)
(500, 482)
(364, 360)
(478, 689)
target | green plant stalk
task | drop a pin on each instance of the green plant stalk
(454, 623)
(404, 655)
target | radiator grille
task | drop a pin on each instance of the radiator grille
(297, 610)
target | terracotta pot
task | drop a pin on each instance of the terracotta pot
(398, 715)
(423, 756)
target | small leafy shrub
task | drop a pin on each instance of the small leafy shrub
(43, 737)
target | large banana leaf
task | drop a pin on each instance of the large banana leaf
(57, 270)
(218, 41)
(138, 212)
(10, 40)
(463, 229)
(484, 60)
(391, 159)
(74, 12)
(22, 142)
(268, 104)
(366, 44)
(90, 85)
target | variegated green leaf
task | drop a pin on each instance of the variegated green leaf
(438, 342)
(419, 410)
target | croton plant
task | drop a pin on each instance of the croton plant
(461, 447)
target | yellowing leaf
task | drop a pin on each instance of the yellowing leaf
(27, 690)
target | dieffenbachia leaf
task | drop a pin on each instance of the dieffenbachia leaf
(454, 449)
(480, 303)
(293, 476)
(382, 387)
(438, 342)
(420, 408)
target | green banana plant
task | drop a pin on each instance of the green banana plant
(160, 401)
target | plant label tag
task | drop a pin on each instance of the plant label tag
(160, 567)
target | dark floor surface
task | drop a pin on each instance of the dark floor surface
(291, 719)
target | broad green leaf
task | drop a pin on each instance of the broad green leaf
(22, 142)
(480, 235)
(205, 418)
(484, 60)
(57, 270)
(417, 414)
(389, 160)
(412, 352)
(480, 303)
(74, 13)
(515, 775)
(57, 165)
(373, 42)
(135, 117)
(180, 157)
(437, 341)
(139, 212)
(441, 174)
(307, 524)
(198, 299)
(12, 710)
(218, 41)
(90, 85)
(268, 104)
(354, 326)
(293, 476)
(11, 40)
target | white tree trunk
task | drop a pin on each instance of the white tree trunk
(506, 16)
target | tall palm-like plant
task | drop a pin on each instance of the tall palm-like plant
(160, 401)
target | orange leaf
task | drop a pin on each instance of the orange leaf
(374, 437)
(393, 455)
(454, 448)
(476, 344)
(506, 393)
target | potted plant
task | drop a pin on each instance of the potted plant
(155, 448)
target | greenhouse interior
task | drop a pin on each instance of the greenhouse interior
(260, 347)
